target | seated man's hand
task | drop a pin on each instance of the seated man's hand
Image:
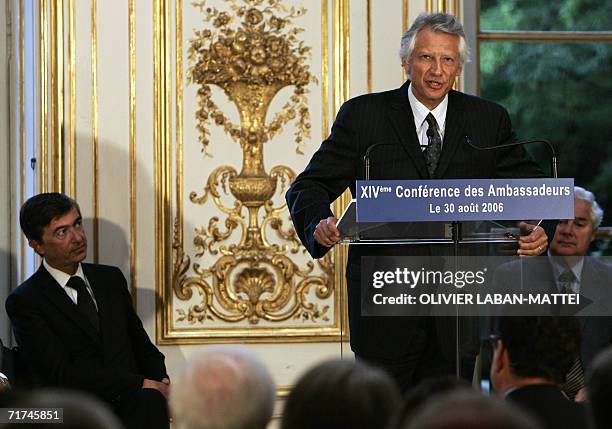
(326, 232)
(582, 395)
(533, 241)
(163, 387)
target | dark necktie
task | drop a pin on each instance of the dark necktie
(574, 380)
(85, 302)
(566, 280)
(434, 148)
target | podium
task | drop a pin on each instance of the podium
(396, 234)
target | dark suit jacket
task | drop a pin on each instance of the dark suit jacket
(595, 284)
(63, 349)
(387, 118)
(549, 407)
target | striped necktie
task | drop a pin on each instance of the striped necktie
(574, 380)
(566, 281)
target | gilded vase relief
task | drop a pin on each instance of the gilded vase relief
(250, 51)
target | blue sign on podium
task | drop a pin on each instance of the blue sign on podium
(464, 200)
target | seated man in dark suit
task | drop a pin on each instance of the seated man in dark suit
(75, 324)
(568, 269)
(574, 270)
(532, 356)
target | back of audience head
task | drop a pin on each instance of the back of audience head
(79, 410)
(419, 396)
(599, 388)
(537, 347)
(342, 394)
(468, 409)
(223, 388)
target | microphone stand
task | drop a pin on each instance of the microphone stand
(553, 152)
(366, 158)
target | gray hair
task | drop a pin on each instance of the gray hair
(223, 387)
(588, 197)
(439, 23)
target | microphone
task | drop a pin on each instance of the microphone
(366, 157)
(553, 152)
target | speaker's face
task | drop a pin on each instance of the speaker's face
(433, 66)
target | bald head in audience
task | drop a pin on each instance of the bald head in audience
(224, 387)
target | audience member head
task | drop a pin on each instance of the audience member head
(79, 410)
(438, 23)
(424, 391)
(341, 394)
(223, 387)
(574, 236)
(534, 350)
(53, 225)
(599, 389)
(467, 409)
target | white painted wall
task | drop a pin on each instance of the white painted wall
(6, 122)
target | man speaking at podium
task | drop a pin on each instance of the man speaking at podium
(421, 131)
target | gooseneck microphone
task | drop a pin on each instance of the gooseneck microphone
(366, 157)
(553, 152)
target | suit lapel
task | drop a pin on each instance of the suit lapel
(402, 120)
(453, 132)
(57, 296)
(590, 278)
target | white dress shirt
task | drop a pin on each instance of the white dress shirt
(420, 112)
(62, 278)
(559, 268)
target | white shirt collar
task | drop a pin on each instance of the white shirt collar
(60, 276)
(420, 112)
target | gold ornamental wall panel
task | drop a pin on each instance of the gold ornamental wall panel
(242, 100)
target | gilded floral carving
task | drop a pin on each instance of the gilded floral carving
(250, 51)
